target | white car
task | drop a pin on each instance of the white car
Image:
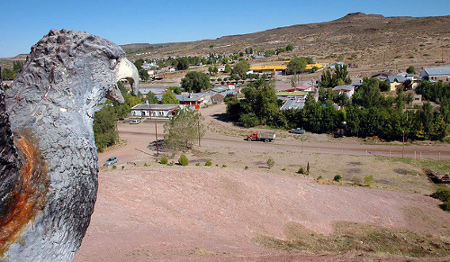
(134, 122)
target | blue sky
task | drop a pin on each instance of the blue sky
(24, 22)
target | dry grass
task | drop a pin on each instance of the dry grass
(360, 237)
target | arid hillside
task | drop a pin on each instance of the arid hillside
(365, 40)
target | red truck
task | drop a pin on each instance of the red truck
(266, 136)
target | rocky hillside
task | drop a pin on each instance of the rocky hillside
(357, 37)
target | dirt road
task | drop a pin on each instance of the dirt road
(225, 135)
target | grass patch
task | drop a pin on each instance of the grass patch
(435, 165)
(363, 238)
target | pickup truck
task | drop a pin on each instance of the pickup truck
(298, 130)
(266, 136)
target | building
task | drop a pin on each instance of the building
(408, 81)
(349, 90)
(333, 65)
(154, 110)
(436, 74)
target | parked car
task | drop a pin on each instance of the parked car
(134, 122)
(111, 161)
(298, 130)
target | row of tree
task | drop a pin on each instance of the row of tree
(368, 114)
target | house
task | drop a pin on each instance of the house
(349, 90)
(154, 110)
(333, 65)
(436, 74)
(409, 81)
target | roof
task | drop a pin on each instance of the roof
(293, 104)
(295, 93)
(268, 67)
(311, 66)
(155, 107)
(344, 88)
(220, 89)
(397, 78)
(436, 71)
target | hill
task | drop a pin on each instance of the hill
(359, 38)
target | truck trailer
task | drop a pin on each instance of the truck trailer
(266, 136)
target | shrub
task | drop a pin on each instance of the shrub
(301, 170)
(270, 162)
(114, 167)
(198, 164)
(208, 163)
(443, 194)
(246, 167)
(224, 165)
(170, 164)
(183, 160)
(337, 178)
(164, 160)
(307, 168)
(284, 169)
(368, 180)
(123, 167)
(145, 164)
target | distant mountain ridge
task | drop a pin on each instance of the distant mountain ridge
(357, 36)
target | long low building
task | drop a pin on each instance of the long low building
(154, 110)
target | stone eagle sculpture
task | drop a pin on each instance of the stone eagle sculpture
(48, 179)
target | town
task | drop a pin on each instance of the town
(315, 142)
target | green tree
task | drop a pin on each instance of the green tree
(183, 63)
(227, 69)
(297, 65)
(411, 70)
(169, 98)
(183, 130)
(143, 74)
(105, 129)
(175, 89)
(138, 63)
(151, 98)
(241, 69)
(195, 82)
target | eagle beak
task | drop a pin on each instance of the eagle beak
(125, 70)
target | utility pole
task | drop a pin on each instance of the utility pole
(403, 146)
(157, 142)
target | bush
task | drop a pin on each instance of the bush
(164, 160)
(307, 168)
(301, 170)
(337, 178)
(246, 167)
(183, 160)
(224, 165)
(208, 163)
(368, 180)
(198, 164)
(270, 162)
(114, 167)
(284, 169)
(443, 194)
